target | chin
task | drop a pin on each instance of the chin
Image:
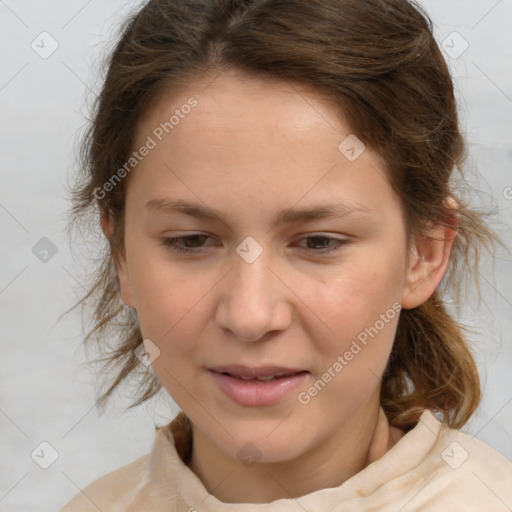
(264, 451)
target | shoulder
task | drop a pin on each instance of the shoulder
(149, 483)
(461, 472)
(475, 462)
(113, 491)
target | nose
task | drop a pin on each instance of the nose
(253, 300)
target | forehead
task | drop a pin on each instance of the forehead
(233, 102)
(246, 135)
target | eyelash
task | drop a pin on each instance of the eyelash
(172, 243)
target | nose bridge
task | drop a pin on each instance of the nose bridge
(254, 277)
(252, 302)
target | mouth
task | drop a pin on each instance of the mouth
(262, 374)
(270, 378)
(257, 386)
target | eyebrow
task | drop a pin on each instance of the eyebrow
(285, 216)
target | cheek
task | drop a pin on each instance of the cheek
(168, 306)
(353, 358)
(359, 311)
(171, 313)
(356, 296)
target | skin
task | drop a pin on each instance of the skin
(250, 148)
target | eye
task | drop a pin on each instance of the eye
(322, 243)
(194, 243)
(185, 243)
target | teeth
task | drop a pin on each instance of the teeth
(271, 377)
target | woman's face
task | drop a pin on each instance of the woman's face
(295, 263)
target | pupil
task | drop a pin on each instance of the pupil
(315, 242)
(189, 241)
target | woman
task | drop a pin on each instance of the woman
(274, 181)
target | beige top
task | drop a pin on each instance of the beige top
(431, 468)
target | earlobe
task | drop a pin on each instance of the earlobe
(125, 283)
(106, 224)
(121, 267)
(427, 266)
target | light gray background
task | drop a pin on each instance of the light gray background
(47, 390)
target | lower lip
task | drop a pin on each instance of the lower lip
(255, 393)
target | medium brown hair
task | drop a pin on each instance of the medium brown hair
(378, 60)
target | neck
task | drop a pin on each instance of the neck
(361, 441)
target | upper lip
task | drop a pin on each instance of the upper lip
(257, 371)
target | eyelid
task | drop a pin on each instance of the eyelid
(172, 242)
(339, 242)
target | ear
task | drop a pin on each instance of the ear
(428, 262)
(107, 226)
